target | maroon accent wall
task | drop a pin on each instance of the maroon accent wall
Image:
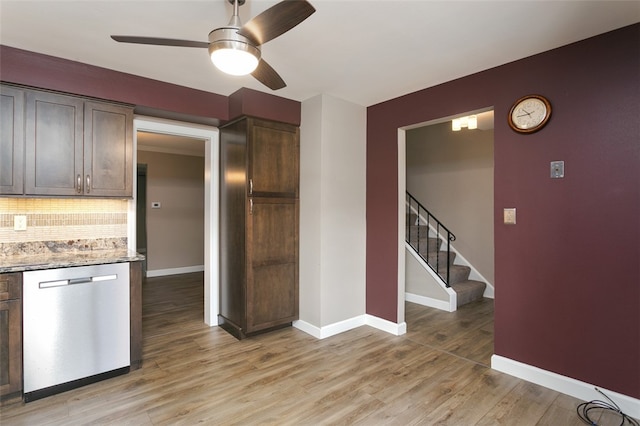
(568, 274)
(155, 97)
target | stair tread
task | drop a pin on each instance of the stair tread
(457, 267)
(468, 285)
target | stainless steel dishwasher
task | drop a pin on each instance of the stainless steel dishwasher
(75, 327)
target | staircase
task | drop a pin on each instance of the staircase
(422, 239)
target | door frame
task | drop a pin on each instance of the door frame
(211, 199)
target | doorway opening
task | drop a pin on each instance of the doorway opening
(451, 174)
(208, 136)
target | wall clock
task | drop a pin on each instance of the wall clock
(529, 114)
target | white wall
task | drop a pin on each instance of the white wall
(332, 211)
(175, 232)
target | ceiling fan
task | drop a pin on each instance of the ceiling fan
(235, 48)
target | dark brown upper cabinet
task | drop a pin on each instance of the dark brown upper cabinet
(72, 147)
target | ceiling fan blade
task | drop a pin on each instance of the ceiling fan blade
(276, 20)
(268, 76)
(159, 41)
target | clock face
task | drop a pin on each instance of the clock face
(529, 114)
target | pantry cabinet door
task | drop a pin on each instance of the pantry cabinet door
(274, 152)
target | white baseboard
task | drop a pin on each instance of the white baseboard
(430, 302)
(385, 325)
(567, 385)
(349, 324)
(175, 271)
(331, 329)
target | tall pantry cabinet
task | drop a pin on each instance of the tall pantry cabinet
(259, 218)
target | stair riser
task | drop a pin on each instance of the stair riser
(457, 273)
(411, 219)
(469, 291)
(416, 231)
(425, 247)
(440, 258)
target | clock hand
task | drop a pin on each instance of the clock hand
(525, 113)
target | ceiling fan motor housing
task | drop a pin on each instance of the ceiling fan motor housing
(228, 38)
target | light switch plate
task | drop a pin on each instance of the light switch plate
(557, 169)
(20, 223)
(509, 216)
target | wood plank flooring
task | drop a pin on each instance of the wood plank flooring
(436, 374)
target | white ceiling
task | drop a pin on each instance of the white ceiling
(363, 51)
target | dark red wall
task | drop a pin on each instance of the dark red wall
(149, 96)
(568, 274)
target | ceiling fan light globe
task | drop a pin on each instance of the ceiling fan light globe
(233, 61)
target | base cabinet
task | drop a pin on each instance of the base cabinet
(259, 214)
(10, 334)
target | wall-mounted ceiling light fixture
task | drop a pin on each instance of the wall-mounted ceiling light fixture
(470, 122)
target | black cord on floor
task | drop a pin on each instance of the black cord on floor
(599, 406)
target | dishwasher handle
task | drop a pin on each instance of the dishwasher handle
(57, 283)
(72, 281)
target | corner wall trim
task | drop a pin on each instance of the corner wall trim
(567, 385)
(349, 324)
(175, 271)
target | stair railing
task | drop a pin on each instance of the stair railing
(433, 227)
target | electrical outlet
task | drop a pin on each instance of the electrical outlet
(20, 223)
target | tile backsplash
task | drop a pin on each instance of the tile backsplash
(62, 225)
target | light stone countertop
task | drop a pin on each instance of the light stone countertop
(64, 260)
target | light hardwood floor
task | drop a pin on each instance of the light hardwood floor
(435, 374)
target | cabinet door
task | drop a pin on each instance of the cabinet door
(273, 159)
(10, 333)
(11, 140)
(272, 266)
(53, 144)
(108, 150)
